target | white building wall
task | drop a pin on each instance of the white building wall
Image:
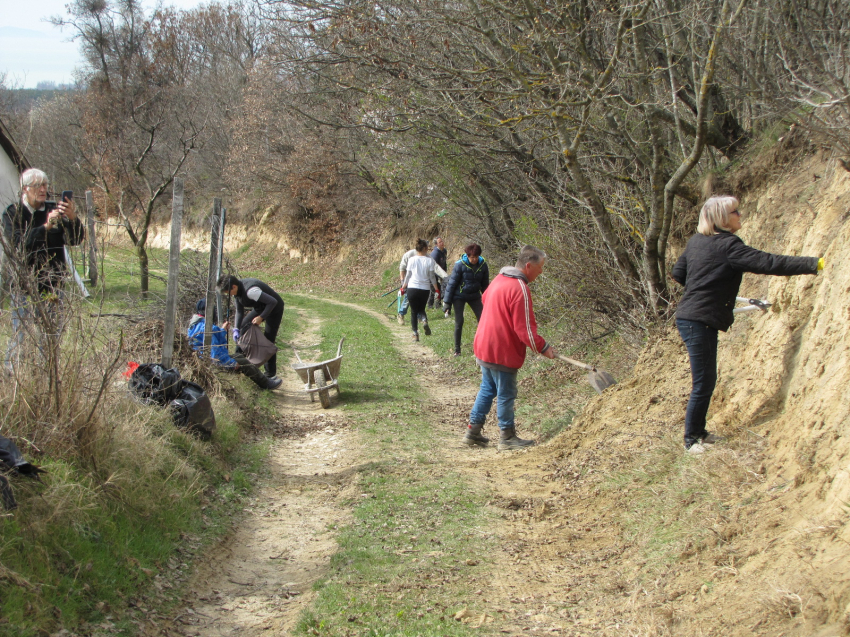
(9, 181)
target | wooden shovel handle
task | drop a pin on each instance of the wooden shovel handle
(572, 361)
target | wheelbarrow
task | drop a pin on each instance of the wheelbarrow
(319, 378)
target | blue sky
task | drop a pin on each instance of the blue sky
(33, 51)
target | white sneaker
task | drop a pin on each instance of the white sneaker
(697, 448)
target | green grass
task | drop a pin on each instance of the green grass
(120, 279)
(678, 504)
(80, 547)
(89, 538)
(413, 555)
(418, 543)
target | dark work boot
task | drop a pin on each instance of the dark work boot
(473, 436)
(253, 372)
(509, 440)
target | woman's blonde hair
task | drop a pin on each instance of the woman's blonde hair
(715, 214)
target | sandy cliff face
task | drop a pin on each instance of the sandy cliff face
(787, 373)
(771, 552)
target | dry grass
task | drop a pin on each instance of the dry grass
(784, 602)
(144, 345)
(681, 504)
(58, 383)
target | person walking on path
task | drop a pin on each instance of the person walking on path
(507, 328)
(402, 272)
(219, 353)
(417, 285)
(711, 269)
(438, 254)
(465, 285)
(265, 305)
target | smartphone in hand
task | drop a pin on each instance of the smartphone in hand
(67, 195)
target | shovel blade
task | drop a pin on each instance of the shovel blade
(600, 380)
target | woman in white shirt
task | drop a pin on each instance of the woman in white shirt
(418, 283)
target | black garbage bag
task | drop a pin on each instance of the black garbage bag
(152, 383)
(190, 406)
(193, 410)
(11, 461)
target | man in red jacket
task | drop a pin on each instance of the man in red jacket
(506, 329)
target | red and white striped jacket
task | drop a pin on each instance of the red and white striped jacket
(507, 325)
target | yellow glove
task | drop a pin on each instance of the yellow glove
(820, 264)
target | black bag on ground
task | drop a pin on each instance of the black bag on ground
(190, 406)
(193, 410)
(11, 460)
(152, 383)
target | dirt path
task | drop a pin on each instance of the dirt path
(548, 563)
(258, 580)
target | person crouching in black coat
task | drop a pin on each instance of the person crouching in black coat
(711, 269)
(264, 305)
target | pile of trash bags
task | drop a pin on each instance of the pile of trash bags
(190, 406)
(13, 463)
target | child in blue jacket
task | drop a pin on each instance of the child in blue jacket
(219, 349)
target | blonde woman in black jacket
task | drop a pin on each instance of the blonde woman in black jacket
(711, 269)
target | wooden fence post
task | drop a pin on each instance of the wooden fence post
(211, 280)
(91, 273)
(173, 270)
(221, 225)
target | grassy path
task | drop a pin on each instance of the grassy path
(363, 527)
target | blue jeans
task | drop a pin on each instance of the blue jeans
(500, 385)
(701, 342)
(21, 311)
(24, 312)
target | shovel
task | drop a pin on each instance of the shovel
(599, 379)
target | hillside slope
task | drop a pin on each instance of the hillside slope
(751, 538)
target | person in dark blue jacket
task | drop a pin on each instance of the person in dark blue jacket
(219, 352)
(711, 269)
(467, 282)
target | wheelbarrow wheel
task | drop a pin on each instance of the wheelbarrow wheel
(324, 393)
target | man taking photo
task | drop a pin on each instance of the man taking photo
(35, 233)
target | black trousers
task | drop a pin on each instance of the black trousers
(417, 299)
(701, 343)
(250, 370)
(477, 307)
(270, 328)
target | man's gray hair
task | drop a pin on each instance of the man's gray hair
(33, 177)
(435, 240)
(529, 254)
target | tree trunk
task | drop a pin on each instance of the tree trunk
(144, 274)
